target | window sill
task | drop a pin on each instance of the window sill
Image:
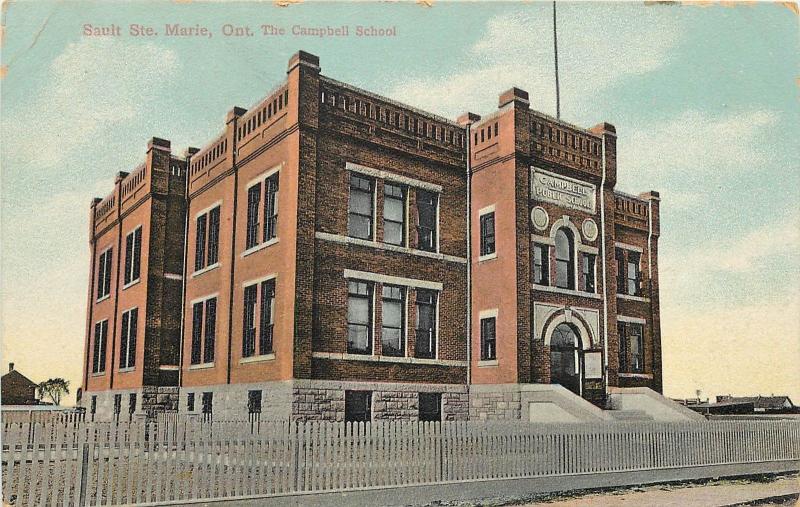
(205, 269)
(262, 246)
(386, 359)
(127, 370)
(487, 257)
(131, 283)
(201, 366)
(98, 374)
(107, 296)
(635, 375)
(558, 290)
(488, 363)
(347, 240)
(633, 298)
(257, 359)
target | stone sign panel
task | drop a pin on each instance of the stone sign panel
(562, 190)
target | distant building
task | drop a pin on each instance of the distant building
(762, 404)
(17, 389)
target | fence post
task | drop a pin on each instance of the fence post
(83, 474)
(294, 439)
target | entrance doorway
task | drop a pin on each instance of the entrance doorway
(566, 358)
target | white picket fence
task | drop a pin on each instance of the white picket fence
(178, 460)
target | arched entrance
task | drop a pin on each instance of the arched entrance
(566, 358)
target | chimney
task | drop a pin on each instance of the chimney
(10, 367)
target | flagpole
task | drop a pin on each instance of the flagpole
(555, 52)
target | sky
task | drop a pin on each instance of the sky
(705, 99)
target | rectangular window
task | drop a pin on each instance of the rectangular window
(200, 243)
(206, 251)
(392, 319)
(394, 214)
(254, 402)
(631, 347)
(427, 204)
(430, 407)
(588, 272)
(359, 318)
(190, 402)
(487, 234)
(623, 347)
(117, 405)
(127, 352)
(266, 324)
(131, 403)
(104, 274)
(207, 405)
(270, 208)
(133, 255)
(249, 321)
(93, 406)
(253, 204)
(541, 264)
(633, 274)
(213, 236)
(619, 257)
(488, 339)
(99, 352)
(360, 207)
(210, 331)
(204, 330)
(197, 332)
(357, 406)
(426, 324)
(636, 347)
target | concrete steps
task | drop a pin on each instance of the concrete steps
(630, 415)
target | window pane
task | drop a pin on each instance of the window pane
(210, 330)
(360, 227)
(197, 331)
(391, 342)
(562, 245)
(213, 236)
(253, 200)
(200, 243)
(358, 311)
(393, 233)
(393, 209)
(392, 314)
(361, 202)
(128, 258)
(562, 275)
(357, 338)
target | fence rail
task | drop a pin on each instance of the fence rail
(177, 460)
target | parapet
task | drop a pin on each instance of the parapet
(516, 95)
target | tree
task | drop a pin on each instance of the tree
(54, 389)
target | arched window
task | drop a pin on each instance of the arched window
(565, 260)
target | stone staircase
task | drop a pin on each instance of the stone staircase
(630, 415)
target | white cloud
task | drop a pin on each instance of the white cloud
(93, 87)
(684, 269)
(517, 50)
(698, 143)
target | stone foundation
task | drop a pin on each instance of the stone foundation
(230, 400)
(323, 400)
(159, 400)
(494, 405)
